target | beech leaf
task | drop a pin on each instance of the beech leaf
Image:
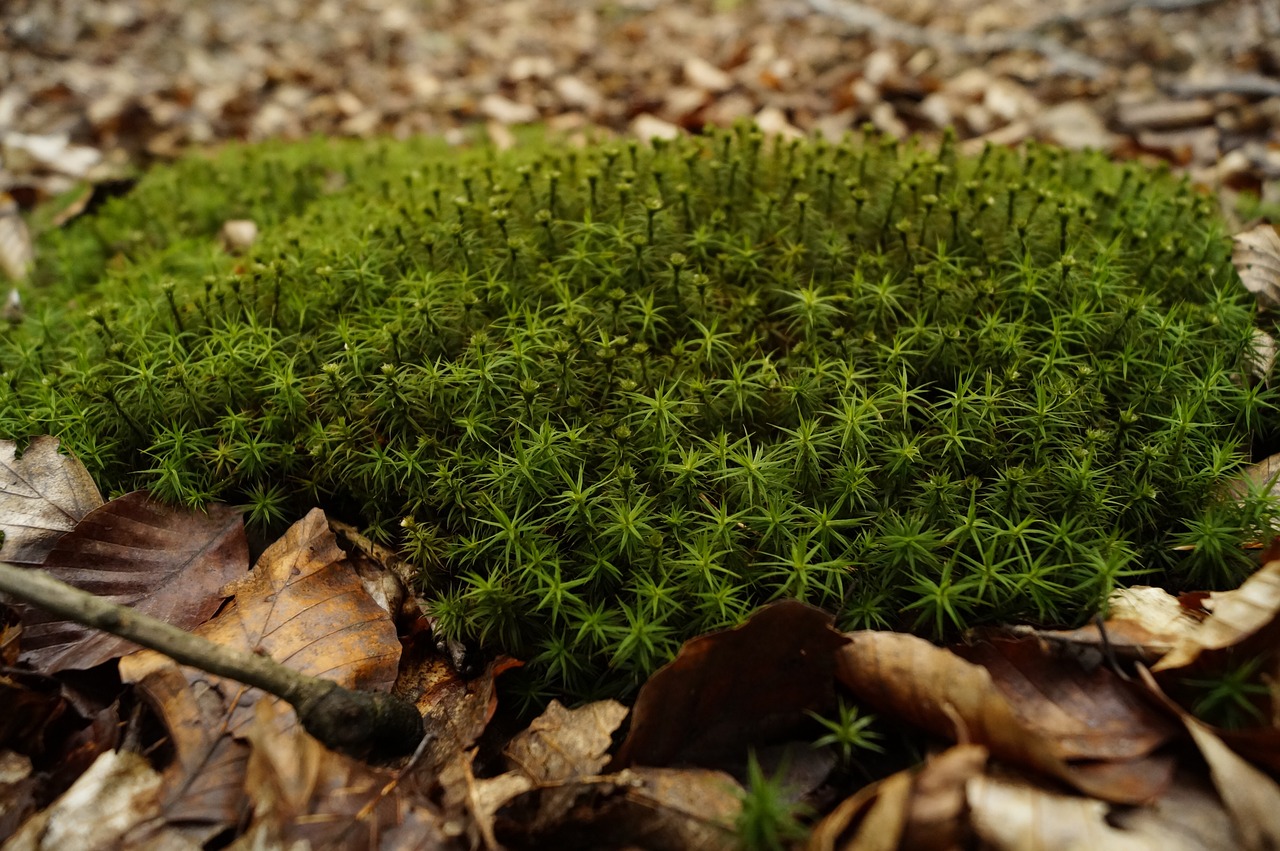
(1022, 717)
(1257, 260)
(167, 562)
(43, 495)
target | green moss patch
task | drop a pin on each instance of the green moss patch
(608, 398)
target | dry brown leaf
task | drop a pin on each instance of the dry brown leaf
(563, 745)
(936, 818)
(1240, 619)
(1257, 260)
(304, 793)
(43, 495)
(691, 809)
(203, 790)
(877, 814)
(304, 606)
(455, 709)
(167, 562)
(728, 689)
(1142, 623)
(1088, 715)
(910, 679)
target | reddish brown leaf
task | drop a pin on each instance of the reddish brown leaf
(728, 689)
(43, 495)
(166, 562)
(1089, 715)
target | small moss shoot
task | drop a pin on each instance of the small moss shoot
(609, 398)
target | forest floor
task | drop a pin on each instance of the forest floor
(91, 88)
(1025, 739)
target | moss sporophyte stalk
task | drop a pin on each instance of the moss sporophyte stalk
(608, 398)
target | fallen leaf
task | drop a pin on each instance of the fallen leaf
(701, 74)
(17, 253)
(1241, 620)
(306, 795)
(691, 809)
(562, 745)
(645, 126)
(909, 679)
(19, 787)
(733, 688)
(43, 495)
(1088, 715)
(1257, 260)
(203, 791)
(1143, 623)
(304, 606)
(118, 793)
(167, 562)
(1250, 796)
(1010, 814)
(872, 820)
(939, 809)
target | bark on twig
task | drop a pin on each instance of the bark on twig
(1061, 59)
(350, 721)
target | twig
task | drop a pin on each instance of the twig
(1116, 7)
(354, 722)
(1249, 85)
(1062, 59)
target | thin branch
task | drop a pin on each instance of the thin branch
(1061, 59)
(1116, 7)
(342, 719)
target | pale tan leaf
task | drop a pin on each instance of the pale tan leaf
(43, 495)
(563, 745)
(16, 250)
(1244, 615)
(1009, 814)
(1249, 794)
(1257, 260)
(118, 793)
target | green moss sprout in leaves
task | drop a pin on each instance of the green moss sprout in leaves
(768, 820)
(607, 398)
(848, 732)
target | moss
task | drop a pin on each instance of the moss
(609, 398)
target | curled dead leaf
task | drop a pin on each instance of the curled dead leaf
(728, 689)
(1031, 711)
(1243, 619)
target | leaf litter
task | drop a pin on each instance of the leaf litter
(1038, 737)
